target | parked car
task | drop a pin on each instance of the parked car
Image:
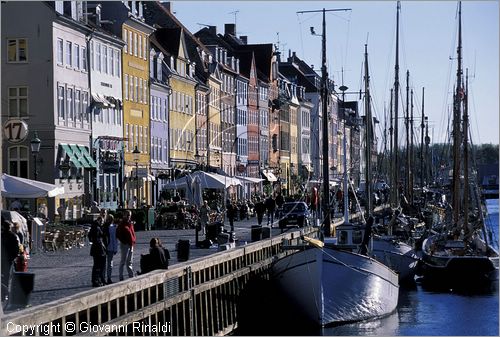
(294, 213)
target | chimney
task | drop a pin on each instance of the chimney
(134, 8)
(168, 6)
(230, 29)
(140, 10)
(212, 30)
(98, 15)
(73, 10)
(244, 38)
(60, 7)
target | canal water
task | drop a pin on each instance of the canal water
(420, 311)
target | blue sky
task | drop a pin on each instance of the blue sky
(428, 38)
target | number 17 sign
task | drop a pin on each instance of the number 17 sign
(15, 130)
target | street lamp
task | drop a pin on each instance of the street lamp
(35, 148)
(137, 155)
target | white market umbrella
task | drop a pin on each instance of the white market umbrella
(16, 187)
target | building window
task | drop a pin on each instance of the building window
(136, 133)
(18, 102)
(105, 59)
(135, 44)
(130, 43)
(78, 107)
(76, 56)
(136, 94)
(125, 38)
(111, 62)
(84, 59)
(126, 138)
(98, 56)
(159, 68)
(17, 50)
(140, 90)
(145, 92)
(60, 52)
(140, 136)
(92, 55)
(69, 51)
(117, 63)
(69, 100)
(126, 86)
(18, 161)
(140, 46)
(131, 88)
(60, 101)
(85, 106)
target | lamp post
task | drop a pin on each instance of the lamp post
(35, 148)
(137, 155)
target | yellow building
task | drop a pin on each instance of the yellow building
(182, 123)
(135, 78)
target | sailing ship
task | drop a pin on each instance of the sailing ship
(460, 255)
(335, 280)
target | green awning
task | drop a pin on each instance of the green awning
(88, 157)
(80, 156)
(72, 157)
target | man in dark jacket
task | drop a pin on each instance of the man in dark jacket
(231, 213)
(260, 209)
(125, 233)
(10, 250)
(98, 252)
(271, 207)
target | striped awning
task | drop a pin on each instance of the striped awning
(71, 155)
(101, 101)
(79, 156)
(269, 176)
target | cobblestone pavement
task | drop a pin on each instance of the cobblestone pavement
(63, 273)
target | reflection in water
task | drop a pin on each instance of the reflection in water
(421, 311)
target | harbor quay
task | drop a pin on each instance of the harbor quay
(62, 273)
(193, 297)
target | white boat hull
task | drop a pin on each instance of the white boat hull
(333, 286)
(397, 255)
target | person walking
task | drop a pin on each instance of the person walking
(270, 207)
(260, 209)
(98, 252)
(125, 233)
(204, 216)
(111, 243)
(231, 212)
(10, 250)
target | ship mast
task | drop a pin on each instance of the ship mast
(324, 106)
(368, 179)
(395, 188)
(407, 125)
(466, 153)
(456, 125)
(422, 126)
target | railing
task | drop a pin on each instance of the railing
(198, 297)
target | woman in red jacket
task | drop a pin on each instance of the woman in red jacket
(125, 233)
